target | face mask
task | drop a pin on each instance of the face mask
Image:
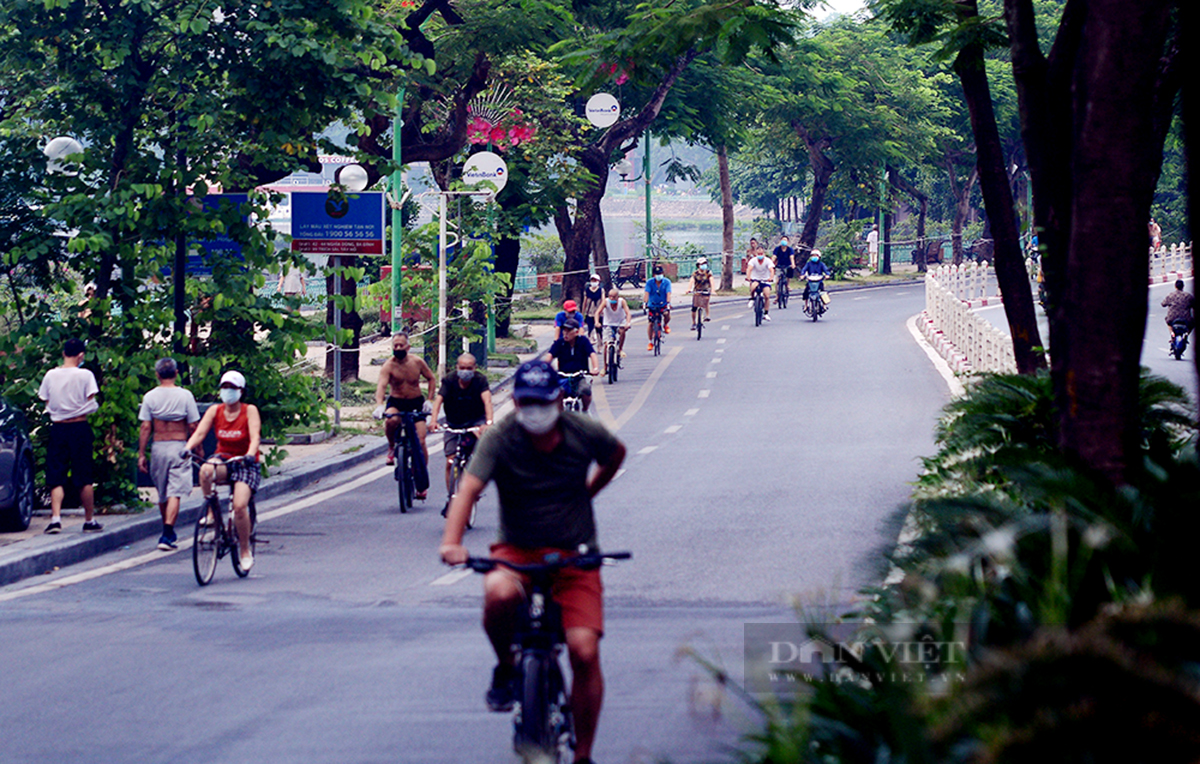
(761, 258)
(595, 284)
(537, 419)
(612, 303)
(399, 355)
(466, 374)
(658, 277)
(783, 243)
(703, 267)
(230, 395)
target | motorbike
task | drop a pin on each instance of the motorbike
(1180, 341)
(814, 299)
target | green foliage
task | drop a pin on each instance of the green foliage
(544, 253)
(838, 253)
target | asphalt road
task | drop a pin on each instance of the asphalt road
(766, 466)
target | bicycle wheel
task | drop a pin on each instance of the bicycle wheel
(236, 550)
(533, 736)
(658, 337)
(699, 322)
(758, 309)
(611, 359)
(206, 547)
(784, 294)
(404, 478)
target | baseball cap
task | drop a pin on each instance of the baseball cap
(569, 305)
(570, 323)
(658, 269)
(234, 378)
(536, 379)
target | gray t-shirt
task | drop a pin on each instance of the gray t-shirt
(544, 500)
(170, 404)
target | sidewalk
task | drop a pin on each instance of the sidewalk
(32, 553)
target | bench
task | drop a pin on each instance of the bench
(631, 272)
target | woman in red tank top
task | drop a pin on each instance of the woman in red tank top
(238, 429)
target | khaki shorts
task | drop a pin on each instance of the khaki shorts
(170, 473)
(579, 593)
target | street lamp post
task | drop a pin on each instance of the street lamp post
(353, 178)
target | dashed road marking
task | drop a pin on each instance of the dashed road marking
(703, 393)
(711, 375)
(647, 449)
(725, 327)
(721, 341)
(673, 429)
(719, 350)
(453, 577)
(716, 360)
(691, 412)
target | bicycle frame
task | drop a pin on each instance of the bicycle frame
(571, 401)
(468, 438)
(542, 726)
(405, 450)
(215, 535)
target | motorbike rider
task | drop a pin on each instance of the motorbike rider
(814, 267)
(1179, 305)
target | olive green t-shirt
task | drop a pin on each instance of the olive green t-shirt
(544, 500)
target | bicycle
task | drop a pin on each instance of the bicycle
(782, 290)
(656, 328)
(468, 437)
(216, 536)
(760, 302)
(700, 317)
(543, 729)
(571, 399)
(403, 453)
(612, 355)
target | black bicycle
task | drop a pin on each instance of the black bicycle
(656, 329)
(612, 355)
(782, 290)
(542, 725)
(760, 302)
(217, 536)
(405, 451)
(700, 314)
(467, 438)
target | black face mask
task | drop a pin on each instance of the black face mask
(399, 355)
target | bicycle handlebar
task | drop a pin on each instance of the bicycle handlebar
(218, 459)
(551, 562)
(569, 374)
(462, 431)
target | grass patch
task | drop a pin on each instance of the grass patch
(352, 449)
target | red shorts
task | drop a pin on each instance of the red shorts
(578, 592)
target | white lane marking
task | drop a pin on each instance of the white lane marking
(453, 577)
(673, 429)
(719, 350)
(716, 360)
(647, 449)
(691, 412)
(725, 327)
(620, 472)
(703, 393)
(184, 544)
(856, 299)
(721, 341)
(711, 375)
(939, 363)
(900, 293)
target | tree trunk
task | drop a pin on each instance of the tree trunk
(901, 183)
(885, 242)
(600, 253)
(1190, 23)
(1011, 276)
(508, 258)
(822, 170)
(726, 219)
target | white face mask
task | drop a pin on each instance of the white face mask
(230, 395)
(537, 419)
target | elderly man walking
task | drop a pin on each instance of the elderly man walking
(169, 413)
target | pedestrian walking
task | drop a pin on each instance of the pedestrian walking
(873, 249)
(170, 414)
(291, 282)
(70, 395)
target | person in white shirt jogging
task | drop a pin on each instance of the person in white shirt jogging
(70, 395)
(760, 273)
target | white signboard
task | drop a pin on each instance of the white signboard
(603, 110)
(485, 166)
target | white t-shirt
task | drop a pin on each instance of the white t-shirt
(170, 404)
(69, 392)
(873, 242)
(759, 271)
(292, 280)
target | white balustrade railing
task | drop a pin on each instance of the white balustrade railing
(1170, 263)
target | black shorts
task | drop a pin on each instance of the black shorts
(413, 405)
(69, 448)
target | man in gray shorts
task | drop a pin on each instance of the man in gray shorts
(170, 413)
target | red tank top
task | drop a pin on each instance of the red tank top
(233, 437)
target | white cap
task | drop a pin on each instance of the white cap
(234, 378)
(594, 277)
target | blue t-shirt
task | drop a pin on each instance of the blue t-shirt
(816, 268)
(572, 358)
(658, 293)
(562, 316)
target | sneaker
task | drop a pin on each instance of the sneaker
(391, 458)
(693, 328)
(92, 527)
(446, 508)
(502, 695)
(766, 316)
(649, 345)
(420, 495)
(167, 544)
(708, 318)
(750, 304)
(55, 527)
(666, 330)
(246, 562)
(622, 355)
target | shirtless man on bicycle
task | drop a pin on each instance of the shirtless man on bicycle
(541, 458)
(399, 391)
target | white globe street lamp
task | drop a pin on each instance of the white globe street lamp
(57, 151)
(353, 177)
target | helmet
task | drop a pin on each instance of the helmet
(816, 255)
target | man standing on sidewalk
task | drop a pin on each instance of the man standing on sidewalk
(169, 412)
(70, 395)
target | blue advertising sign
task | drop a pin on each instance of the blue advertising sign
(334, 224)
(220, 245)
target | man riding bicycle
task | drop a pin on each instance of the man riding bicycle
(468, 400)
(614, 317)
(400, 381)
(701, 288)
(541, 460)
(658, 303)
(784, 258)
(574, 353)
(760, 273)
